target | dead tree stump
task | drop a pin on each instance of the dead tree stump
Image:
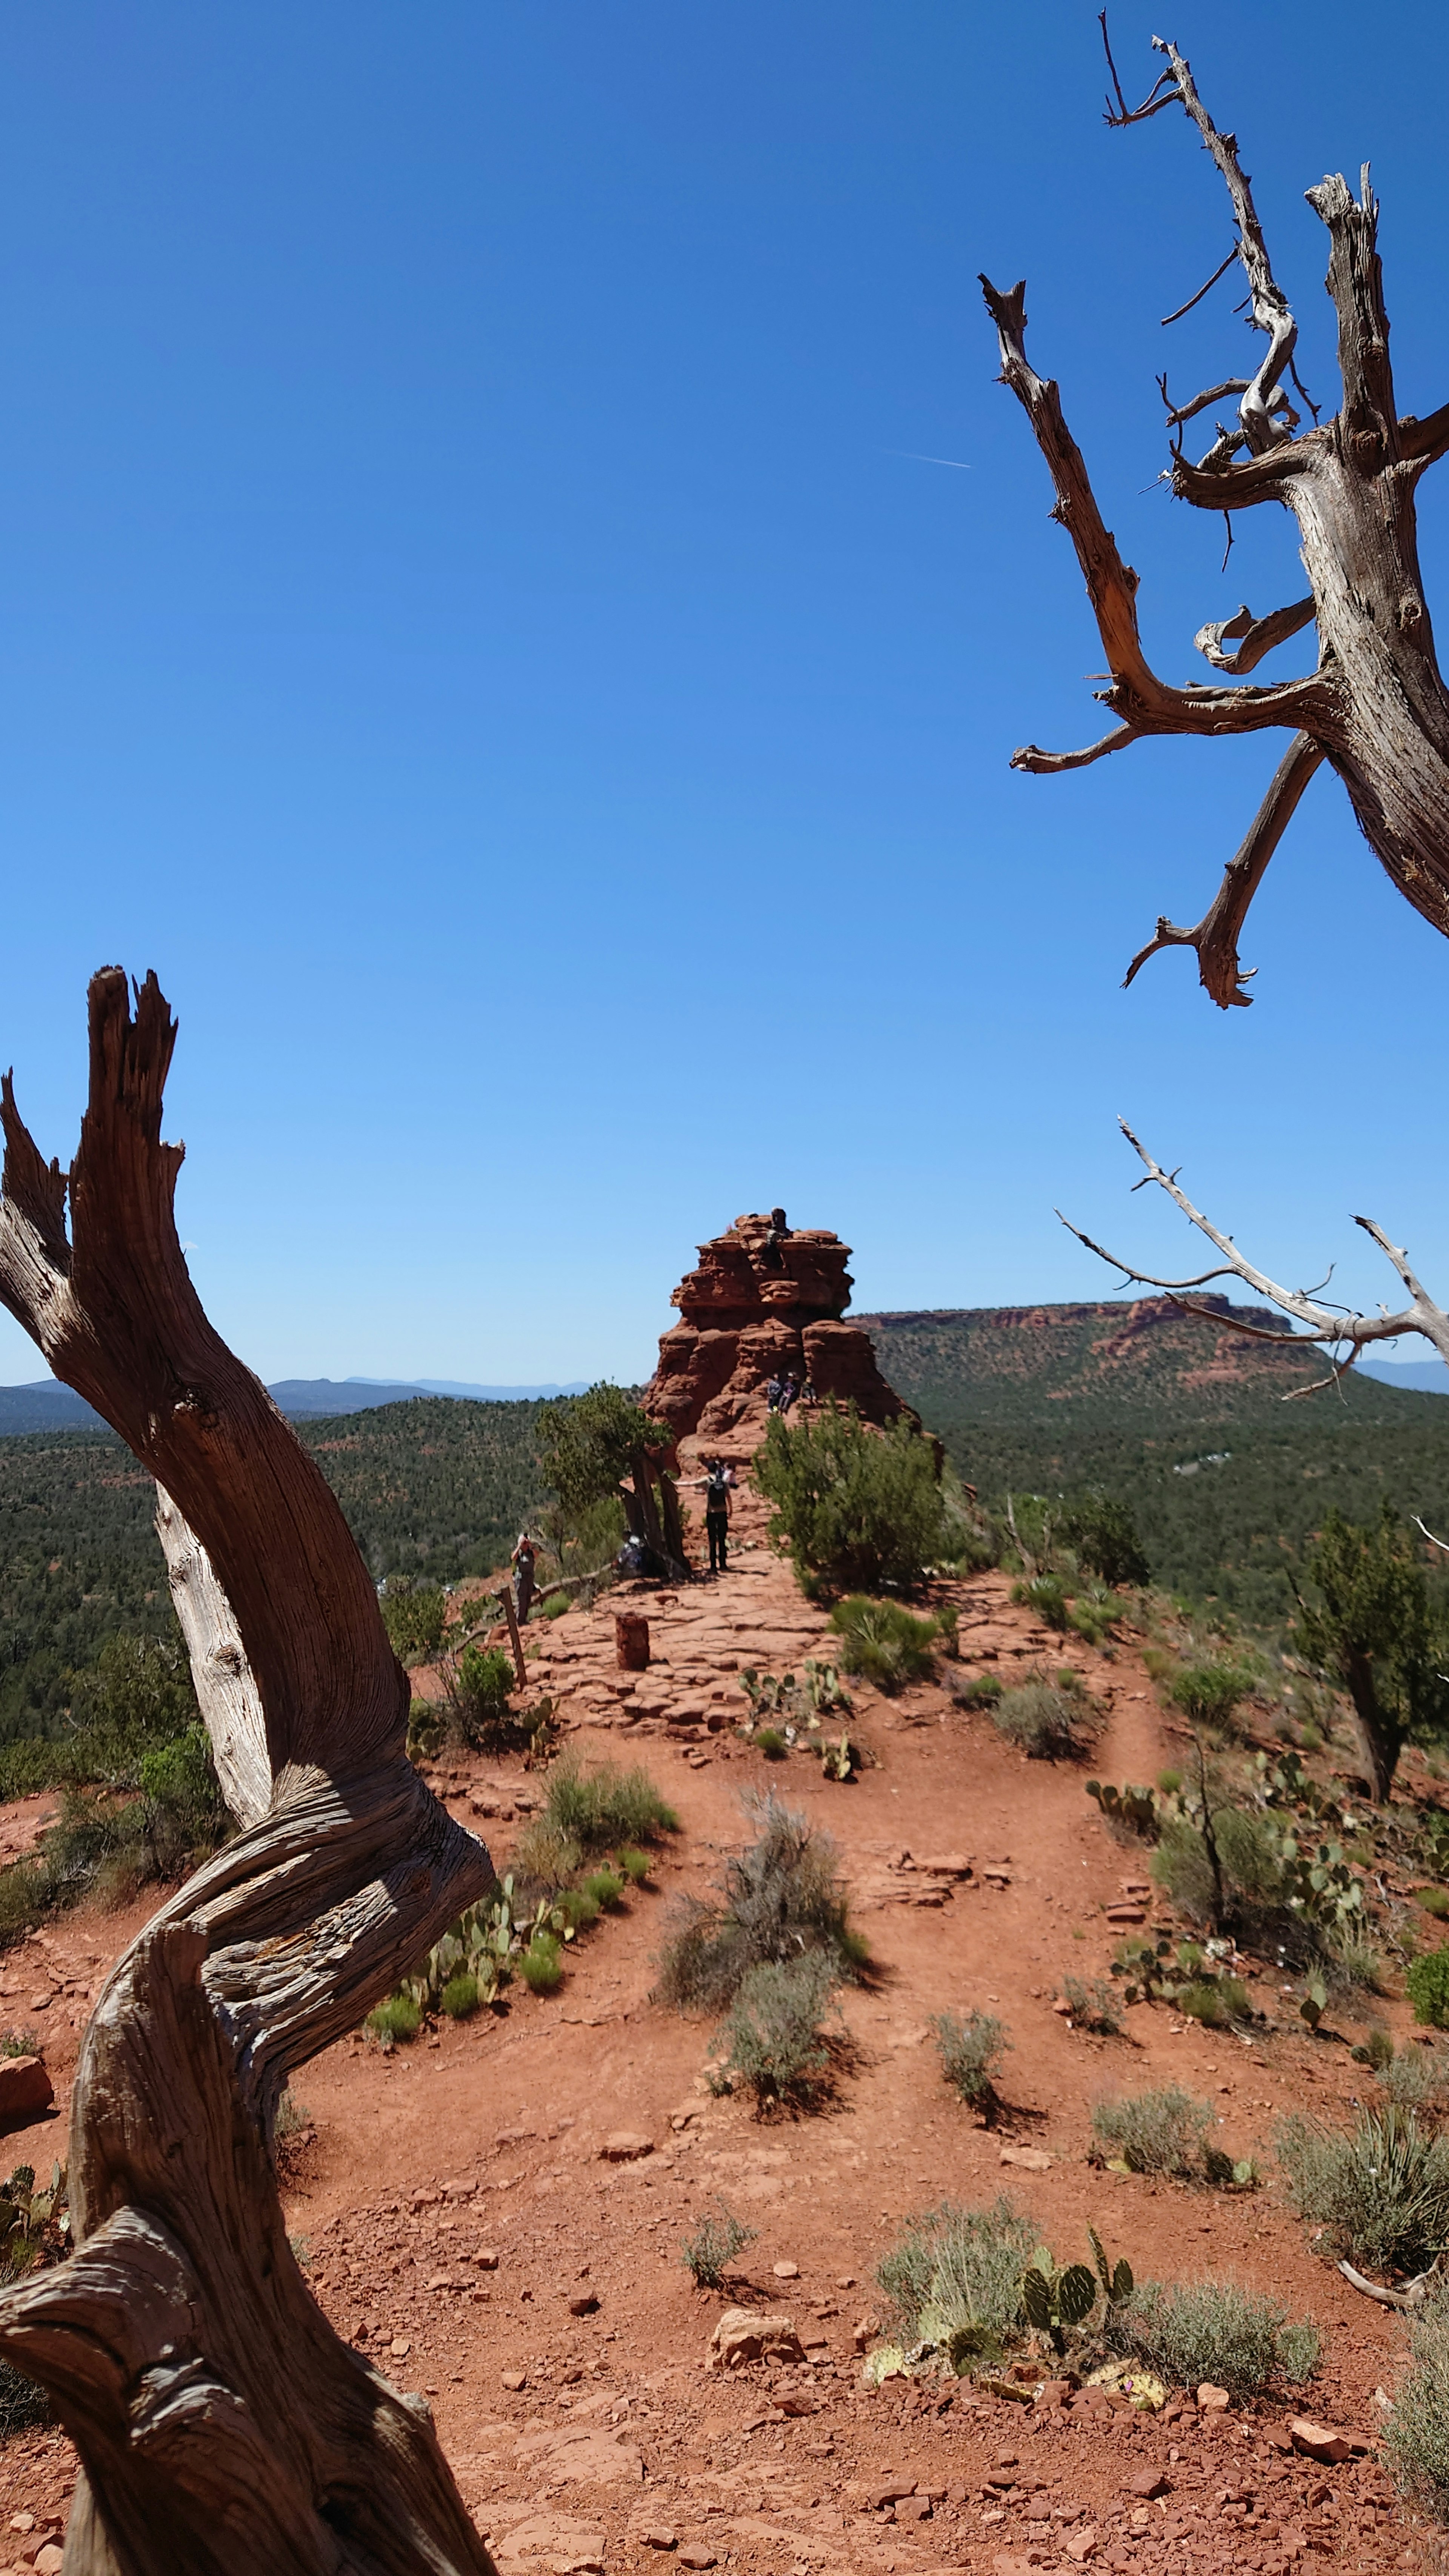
(223, 2428)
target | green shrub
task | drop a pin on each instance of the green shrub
(1047, 1723)
(480, 1683)
(397, 2018)
(953, 2278)
(1218, 2331)
(1379, 2191)
(634, 1863)
(883, 1643)
(459, 1997)
(1416, 2079)
(770, 1742)
(580, 1910)
(1103, 1537)
(1160, 2132)
(544, 1858)
(1435, 1901)
(1043, 1594)
(714, 2245)
(773, 2038)
(1216, 2002)
(1426, 1982)
(605, 1889)
(972, 2046)
(414, 1615)
(1096, 2007)
(1209, 1693)
(1416, 2436)
(1247, 1855)
(1376, 2049)
(541, 1964)
(597, 1809)
(783, 1899)
(860, 1508)
(982, 1691)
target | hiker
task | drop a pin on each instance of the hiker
(807, 1394)
(770, 1253)
(789, 1391)
(525, 1571)
(773, 1392)
(717, 1485)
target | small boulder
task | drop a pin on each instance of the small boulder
(657, 2537)
(625, 2145)
(786, 2271)
(1028, 2159)
(1149, 2483)
(1322, 2442)
(583, 2304)
(753, 2334)
(1212, 2400)
(25, 2089)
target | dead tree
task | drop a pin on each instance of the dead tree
(1344, 1332)
(223, 2428)
(1376, 708)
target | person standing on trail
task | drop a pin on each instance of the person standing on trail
(525, 1572)
(717, 1486)
(718, 1481)
(774, 1389)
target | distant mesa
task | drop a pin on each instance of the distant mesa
(45, 1405)
(767, 1298)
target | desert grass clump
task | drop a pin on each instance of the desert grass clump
(633, 1864)
(605, 1890)
(459, 1998)
(1426, 1982)
(598, 1809)
(774, 2040)
(1048, 1721)
(397, 2018)
(1163, 2132)
(714, 2245)
(972, 2046)
(770, 1742)
(885, 1644)
(782, 1900)
(1379, 2191)
(1208, 1694)
(1215, 2330)
(953, 2278)
(541, 1964)
(1416, 2437)
(1216, 2002)
(1096, 2007)
(1415, 2078)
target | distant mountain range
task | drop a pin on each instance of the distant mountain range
(43, 1405)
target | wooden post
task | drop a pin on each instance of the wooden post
(511, 1615)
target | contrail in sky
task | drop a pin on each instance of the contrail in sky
(928, 460)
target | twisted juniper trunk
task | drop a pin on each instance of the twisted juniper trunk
(1376, 709)
(223, 2429)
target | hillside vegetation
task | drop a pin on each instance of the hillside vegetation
(434, 1486)
(1181, 1418)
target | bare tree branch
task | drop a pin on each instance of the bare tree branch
(1346, 1329)
(1145, 703)
(1218, 272)
(1260, 635)
(1216, 935)
(1043, 764)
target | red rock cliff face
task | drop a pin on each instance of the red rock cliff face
(765, 1299)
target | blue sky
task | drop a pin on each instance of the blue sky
(474, 619)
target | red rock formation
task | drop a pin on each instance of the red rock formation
(765, 1299)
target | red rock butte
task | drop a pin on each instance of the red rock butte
(767, 1298)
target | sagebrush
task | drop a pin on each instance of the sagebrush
(782, 1899)
(1193, 2331)
(1379, 2190)
(954, 2275)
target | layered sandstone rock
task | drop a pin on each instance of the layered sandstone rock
(766, 1298)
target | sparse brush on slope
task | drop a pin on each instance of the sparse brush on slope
(1416, 2437)
(954, 2278)
(783, 1898)
(1379, 2191)
(1050, 1721)
(774, 2041)
(1214, 2330)
(714, 2245)
(972, 2046)
(885, 1644)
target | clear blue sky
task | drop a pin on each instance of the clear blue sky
(474, 620)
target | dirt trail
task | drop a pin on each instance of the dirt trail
(599, 2439)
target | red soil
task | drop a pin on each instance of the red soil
(576, 2437)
